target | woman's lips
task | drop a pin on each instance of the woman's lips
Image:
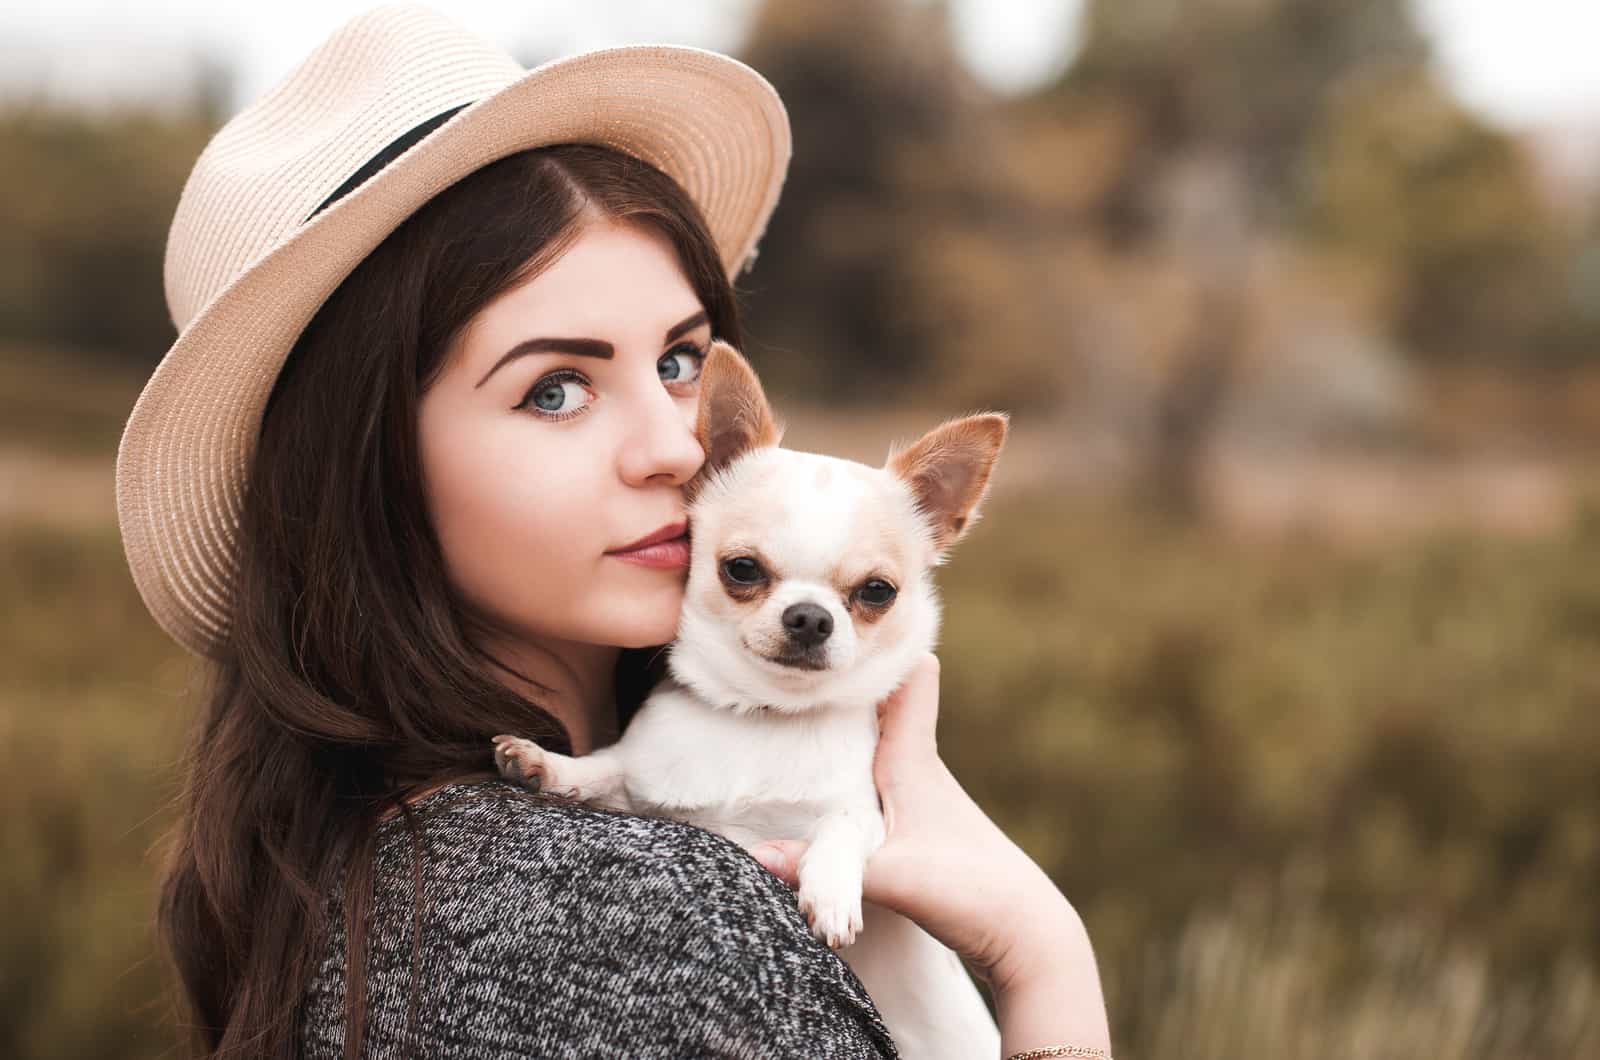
(665, 555)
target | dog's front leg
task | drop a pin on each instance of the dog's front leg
(596, 778)
(831, 870)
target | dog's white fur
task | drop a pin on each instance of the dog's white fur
(754, 749)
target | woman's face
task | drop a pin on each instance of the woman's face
(539, 463)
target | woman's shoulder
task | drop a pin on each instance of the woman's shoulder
(493, 839)
(544, 909)
(567, 874)
(494, 824)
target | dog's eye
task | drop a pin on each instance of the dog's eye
(875, 591)
(743, 570)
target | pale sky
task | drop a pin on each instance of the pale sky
(1518, 62)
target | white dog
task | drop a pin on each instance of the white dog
(809, 600)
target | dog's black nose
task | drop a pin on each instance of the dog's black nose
(807, 624)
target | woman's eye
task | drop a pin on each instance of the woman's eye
(557, 395)
(681, 364)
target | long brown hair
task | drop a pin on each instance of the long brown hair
(352, 681)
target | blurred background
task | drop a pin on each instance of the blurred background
(1276, 646)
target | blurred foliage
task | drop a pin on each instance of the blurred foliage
(91, 712)
(85, 202)
(1247, 703)
(1572, 335)
(1248, 77)
(1403, 178)
(68, 402)
(1163, 717)
(1220, 206)
(1337, 131)
(887, 258)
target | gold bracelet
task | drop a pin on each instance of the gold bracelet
(1088, 1052)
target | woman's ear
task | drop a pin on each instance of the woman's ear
(734, 416)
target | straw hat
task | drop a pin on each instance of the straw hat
(294, 191)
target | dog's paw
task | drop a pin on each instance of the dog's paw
(522, 761)
(834, 912)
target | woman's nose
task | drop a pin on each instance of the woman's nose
(660, 444)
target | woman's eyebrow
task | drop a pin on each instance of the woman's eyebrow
(584, 347)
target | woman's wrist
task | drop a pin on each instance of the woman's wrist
(1047, 987)
(1035, 913)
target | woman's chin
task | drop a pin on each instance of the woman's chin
(635, 613)
(648, 630)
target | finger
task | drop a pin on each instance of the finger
(781, 858)
(909, 717)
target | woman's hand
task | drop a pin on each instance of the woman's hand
(944, 863)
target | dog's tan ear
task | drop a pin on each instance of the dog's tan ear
(948, 472)
(734, 416)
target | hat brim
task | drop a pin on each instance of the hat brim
(709, 121)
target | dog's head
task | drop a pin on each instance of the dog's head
(809, 580)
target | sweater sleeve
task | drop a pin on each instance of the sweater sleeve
(555, 930)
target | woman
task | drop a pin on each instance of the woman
(440, 321)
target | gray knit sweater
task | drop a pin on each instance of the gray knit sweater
(552, 929)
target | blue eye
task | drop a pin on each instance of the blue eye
(669, 367)
(556, 396)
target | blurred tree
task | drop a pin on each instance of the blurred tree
(1336, 128)
(890, 263)
(84, 209)
(1254, 124)
(1400, 175)
(856, 90)
(1571, 337)
(1242, 78)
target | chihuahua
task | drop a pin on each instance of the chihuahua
(809, 600)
